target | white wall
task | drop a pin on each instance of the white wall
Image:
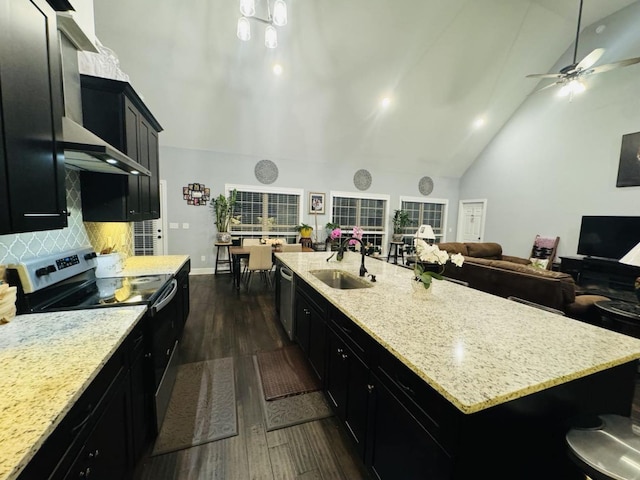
(215, 169)
(557, 160)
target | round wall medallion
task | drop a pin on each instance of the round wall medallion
(425, 185)
(362, 179)
(266, 171)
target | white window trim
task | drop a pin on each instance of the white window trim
(228, 187)
(442, 201)
(371, 196)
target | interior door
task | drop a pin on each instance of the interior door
(471, 219)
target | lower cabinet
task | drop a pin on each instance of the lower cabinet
(348, 389)
(310, 327)
(105, 455)
(396, 441)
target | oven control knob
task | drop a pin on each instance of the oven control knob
(89, 256)
(41, 272)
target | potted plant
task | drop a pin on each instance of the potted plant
(223, 215)
(304, 230)
(400, 220)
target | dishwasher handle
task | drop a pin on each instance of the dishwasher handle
(286, 274)
(166, 297)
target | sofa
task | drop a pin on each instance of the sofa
(487, 269)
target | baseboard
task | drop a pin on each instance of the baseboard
(202, 271)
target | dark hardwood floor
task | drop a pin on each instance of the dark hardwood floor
(223, 323)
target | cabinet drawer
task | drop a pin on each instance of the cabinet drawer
(430, 408)
(316, 300)
(359, 341)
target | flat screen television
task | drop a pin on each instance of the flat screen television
(608, 237)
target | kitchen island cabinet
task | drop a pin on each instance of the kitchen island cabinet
(112, 110)
(32, 175)
(465, 383)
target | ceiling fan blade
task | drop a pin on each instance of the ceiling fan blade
(546, 86)
(545, 75)
(590, 59)
(610, 66)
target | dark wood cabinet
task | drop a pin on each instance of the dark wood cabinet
(348, 389)
(112, 110)
(32, 175)
(108, 427)
(310, 326)
(396, 439)
(105, 454)
(600, 276)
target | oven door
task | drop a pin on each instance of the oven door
(164, 331)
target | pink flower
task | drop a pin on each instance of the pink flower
(336, 233)
(357, 233)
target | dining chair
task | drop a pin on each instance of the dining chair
(291, 247)
(246, 242)
(260, 260)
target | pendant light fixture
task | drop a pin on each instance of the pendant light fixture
(248, 11)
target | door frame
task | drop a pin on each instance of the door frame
(461, 205)
(163, 215)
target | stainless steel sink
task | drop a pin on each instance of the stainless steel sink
(340, 279)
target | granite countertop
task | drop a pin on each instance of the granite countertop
(47, 360)
(153, 265)
(476, 349)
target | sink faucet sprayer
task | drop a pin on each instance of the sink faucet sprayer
(340, 255)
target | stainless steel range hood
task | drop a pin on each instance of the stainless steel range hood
(84, 150)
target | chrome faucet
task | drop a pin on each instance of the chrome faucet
(340, 255)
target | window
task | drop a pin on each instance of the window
(266, 212)
(422, 212)
(369, 212)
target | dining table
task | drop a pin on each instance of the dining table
(237, 253)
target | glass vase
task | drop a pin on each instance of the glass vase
(420, 291)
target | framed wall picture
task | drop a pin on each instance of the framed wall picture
(629, 167)
(316, 202)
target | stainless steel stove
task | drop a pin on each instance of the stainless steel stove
(67, 281)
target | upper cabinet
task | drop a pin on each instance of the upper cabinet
(32, 177)
(113, 111)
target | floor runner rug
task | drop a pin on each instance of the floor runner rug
(293, 410)
(285, 372)
(202, 408)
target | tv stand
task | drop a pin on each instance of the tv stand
(601, 276)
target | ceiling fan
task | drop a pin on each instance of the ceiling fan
(570, 76)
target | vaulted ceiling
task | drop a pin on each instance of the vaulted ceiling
(443, 64)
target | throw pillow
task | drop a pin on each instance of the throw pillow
(539, 262)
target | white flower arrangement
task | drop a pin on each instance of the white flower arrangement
(432, 254)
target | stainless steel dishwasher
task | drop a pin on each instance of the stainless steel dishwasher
(286, 300)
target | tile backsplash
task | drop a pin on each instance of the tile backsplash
(21, 246)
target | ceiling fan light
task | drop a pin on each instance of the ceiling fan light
(244, 29)
(248, 7)
(270, 37)
(280, 13)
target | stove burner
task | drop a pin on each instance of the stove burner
(143, 280)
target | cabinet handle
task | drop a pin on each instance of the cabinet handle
(45, 214)
(340, 350)
(131, 212)
(306, 311)
(345, 356)
(370, 388)
(147, 355)
(168, 352)
(404, 387)
(94, 454)
(344, 329)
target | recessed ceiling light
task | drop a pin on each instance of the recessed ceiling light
(277, 69)
(385, 102)
(479, 122)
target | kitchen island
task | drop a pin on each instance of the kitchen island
(512, 376)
